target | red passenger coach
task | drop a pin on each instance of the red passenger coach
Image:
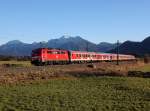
(81, 56)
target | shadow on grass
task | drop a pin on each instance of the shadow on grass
(111, 73)
(12, 65)
(139, 74)
(94, 74)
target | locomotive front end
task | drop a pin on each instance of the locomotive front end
(36, 56)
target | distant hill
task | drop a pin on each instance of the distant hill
(72, 43)
(104, 46)
(137, 48)
(18, 48)
(14, 47)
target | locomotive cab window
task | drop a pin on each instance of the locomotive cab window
(62, 52)
(49, 52)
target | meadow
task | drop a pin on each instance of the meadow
(82, 94)
(75, 87)
(16, 63)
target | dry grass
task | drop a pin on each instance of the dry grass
(145, 68)
(24, 71)
(18, 63)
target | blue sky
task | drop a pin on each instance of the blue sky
(94, 20)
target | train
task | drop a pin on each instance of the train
(51, 56)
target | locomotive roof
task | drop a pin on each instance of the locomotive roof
(49, 48)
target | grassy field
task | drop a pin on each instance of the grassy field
(78, 94)
(19, 63)
(75, 87)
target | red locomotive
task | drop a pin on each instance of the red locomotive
(45, 56)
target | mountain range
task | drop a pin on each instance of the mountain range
(136, 48)
(18, 48)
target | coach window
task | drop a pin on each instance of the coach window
(77, 55)
(104, 57)
(62, 52)
(55, 52)
(100, 56)
(49, 52)
(110, 57)
(58, 52)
